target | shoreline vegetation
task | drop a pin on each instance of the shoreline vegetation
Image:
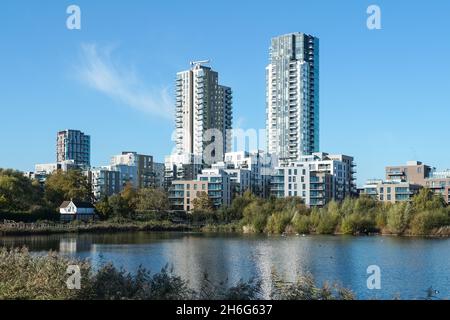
(26, 208)
(45, 278)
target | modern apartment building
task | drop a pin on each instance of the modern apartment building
(158, 169)
(439, 183)
(104, 182)
(391, 191)
(73, 145)
(292, 96)
(135, 168)
(49, 168)
(215, 182)
(240, 179)
(417, 173)
(260, 166)
(183, 193)
(317, 179)
(219, 186)
(202, 104)
(414, 172)
(181, 167)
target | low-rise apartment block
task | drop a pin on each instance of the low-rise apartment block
(439, 183)
(418, 174)
(215, 182)
(317, 179)
(391, 191)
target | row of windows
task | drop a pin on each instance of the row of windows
(296, 194)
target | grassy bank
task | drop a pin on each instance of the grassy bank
(44, 228)
(28, 277)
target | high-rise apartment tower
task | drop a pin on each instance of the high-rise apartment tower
(292, 96)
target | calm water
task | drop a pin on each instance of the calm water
(408, 266)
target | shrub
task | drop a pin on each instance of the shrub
(327, 223)
(424, 222)
(304, 288)
(398, 218)
(301, 223)
(278, 222)
(357, 223)
(44, 278)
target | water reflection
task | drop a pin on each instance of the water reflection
(409, 266)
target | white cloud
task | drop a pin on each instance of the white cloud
(100, 72)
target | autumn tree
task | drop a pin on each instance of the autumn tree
(71, 185)
(203, 203)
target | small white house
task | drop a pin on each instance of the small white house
(76, 210)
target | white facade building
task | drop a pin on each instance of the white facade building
(317, 179)
(259, 164)
(219, 186)
(202, 104)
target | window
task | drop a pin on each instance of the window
(195, 187)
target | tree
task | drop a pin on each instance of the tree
(71, 185)
(120, 207)
(203, 203)
(129, 194)
(17, 192)
(426, 199)
(150, 199)
(398, 217)
(103, 208)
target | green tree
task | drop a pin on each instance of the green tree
(256, 215)
(426, 199)
(424, 222)
(103, 208)
(301, 223)
(150, 199)
(120, 207)
(17, 192)
(398, 217)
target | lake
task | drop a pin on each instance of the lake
(409, 266)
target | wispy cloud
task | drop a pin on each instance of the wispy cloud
(99, 71)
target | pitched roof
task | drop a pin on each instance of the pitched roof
(78, 204)
(65, 204)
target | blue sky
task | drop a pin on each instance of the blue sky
(384, 95)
